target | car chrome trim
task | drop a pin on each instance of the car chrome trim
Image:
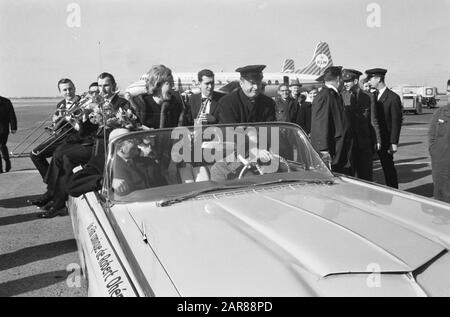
(156, 255)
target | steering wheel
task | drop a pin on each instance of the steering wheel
(264, 169)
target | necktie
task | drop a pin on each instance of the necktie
(375, 94)
(205, 101)
(204, 107)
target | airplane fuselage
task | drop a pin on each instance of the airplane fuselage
(189, 81)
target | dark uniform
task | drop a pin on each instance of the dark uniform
(389, 114)
(237, 107)
(439, 146)
(328, 127)
(7, 119)
(304, 116)
(365, 126)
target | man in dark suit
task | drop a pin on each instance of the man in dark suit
(203, 106)
(389, 113)
(329, 134)
(366, 129)
(247, 104)
(286, 107)
(7, 119)
(305, 112)
(46, 149)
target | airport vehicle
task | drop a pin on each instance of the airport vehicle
(252, 210)
(411, 100)
(428, 95)
(306, 76)
(415, 95)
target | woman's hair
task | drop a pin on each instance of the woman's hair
(156, 76)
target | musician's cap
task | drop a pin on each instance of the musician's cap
(251, 72)
(376, 72)
(295, 82)
(350, 74)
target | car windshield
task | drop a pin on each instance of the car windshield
(168, 164)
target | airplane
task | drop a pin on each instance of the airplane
(227, 81)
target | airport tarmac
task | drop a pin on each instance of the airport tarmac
(38, 256)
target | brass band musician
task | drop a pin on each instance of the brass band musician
(111, 112)
(46, 149)
(204, 105)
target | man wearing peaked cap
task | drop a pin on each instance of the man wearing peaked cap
(389, 114)
(328, 129)
(380, 72)
(247, 104)
(361, 111)
(350, 74)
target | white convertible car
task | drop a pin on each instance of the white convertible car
(252, 210)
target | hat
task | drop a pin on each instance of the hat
(295, 82)
(252, 72)
(320, 78)
(332, 73)
(376, 72)
(350, 74)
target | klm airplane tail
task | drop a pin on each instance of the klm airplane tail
(288, 66)
(320, 61)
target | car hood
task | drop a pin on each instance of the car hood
(290, 240)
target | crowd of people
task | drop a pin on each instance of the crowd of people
(347, 120)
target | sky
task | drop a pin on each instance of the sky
(45, 40)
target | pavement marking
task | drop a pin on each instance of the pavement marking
(30, 171)
(424, 129)
(405, 163)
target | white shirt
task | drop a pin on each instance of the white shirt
(380, 92)
(69, 104)
(208, 104)
(332, 87)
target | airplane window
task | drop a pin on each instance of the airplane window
(269, 82)
(277, 82)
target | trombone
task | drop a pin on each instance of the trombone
(58, 130)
